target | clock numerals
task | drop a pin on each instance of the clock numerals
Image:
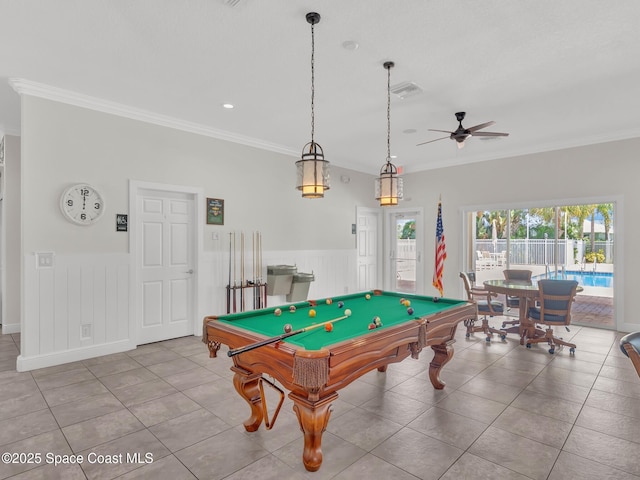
(82, 204)
(97, 206)
(70, 203)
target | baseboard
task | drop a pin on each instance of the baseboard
(11, 328)
(24, 364)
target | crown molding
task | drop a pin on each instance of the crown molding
(35, 89)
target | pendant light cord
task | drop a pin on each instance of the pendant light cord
(389, 114)
(313, 90)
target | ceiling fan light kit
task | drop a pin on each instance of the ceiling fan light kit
(461, 134)
(312, 168)
(388, 186)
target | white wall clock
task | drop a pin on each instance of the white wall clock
(82, 204)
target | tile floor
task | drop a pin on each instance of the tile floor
(507, 412)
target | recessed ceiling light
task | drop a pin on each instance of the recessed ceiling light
(350, 45)
(227, 105)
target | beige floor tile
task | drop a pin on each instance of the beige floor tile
(164, 408)
(449, 427)
(105, 428)
(473, 467)
(569, 465)
(543, 429)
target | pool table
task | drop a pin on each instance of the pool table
(315, 364)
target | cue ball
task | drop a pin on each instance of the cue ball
(435, 299)
(410, 311)
(367, 296)
(288, 328)
(292, 309)
(402, 300)
(312, 313)
(328, 327)
(347, 312)
(277, 312)
(340, 304)
(329, 301)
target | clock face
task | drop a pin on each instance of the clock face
(82, 204)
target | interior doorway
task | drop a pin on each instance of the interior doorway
(406, 240)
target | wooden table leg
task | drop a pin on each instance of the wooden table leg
(442, 354)
(313, 418)
(246, 385)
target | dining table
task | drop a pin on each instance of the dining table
(526, 291)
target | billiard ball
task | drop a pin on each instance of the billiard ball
(288, 328)
(367, 296)
(407, 303)
(410, 311)
(328, 301)
(377, 321)
(340, 304)
(312, 313)
(292, 309)
(372, 326)
(328, 327)
(402, 300)
(435, 299)
(347, 312)
(277, 312)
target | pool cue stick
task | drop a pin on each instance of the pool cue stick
(277, 338)
(229, 284)
(242, 271)
(234, 272)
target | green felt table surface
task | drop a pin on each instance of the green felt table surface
(386, 306)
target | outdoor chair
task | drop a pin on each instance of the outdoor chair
(485, 305)
(630, 346)
(482, 262)
(553, 309)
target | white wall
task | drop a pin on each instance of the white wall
(11, 219)
(65, 144)
(608, 170)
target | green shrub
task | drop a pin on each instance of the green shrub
(599, 257)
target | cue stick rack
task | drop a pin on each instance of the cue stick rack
(241, 288)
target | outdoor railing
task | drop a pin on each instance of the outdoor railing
(544, 252)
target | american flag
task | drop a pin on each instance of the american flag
(441, 252)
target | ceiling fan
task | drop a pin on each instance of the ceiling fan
(461, 134)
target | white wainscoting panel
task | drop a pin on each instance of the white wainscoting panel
(75, 309)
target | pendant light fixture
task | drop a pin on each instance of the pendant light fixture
(312, 168)
(388, 185)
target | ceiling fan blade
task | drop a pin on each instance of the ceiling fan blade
(430, 141)
(482, 125)
(443, 131)
(490, 134)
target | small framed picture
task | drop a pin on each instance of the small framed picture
(215, 211)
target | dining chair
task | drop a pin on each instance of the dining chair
(552, 309)
(485, 305)
(630, 346)
(511, 301)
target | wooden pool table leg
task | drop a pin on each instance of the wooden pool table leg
(246, 385)
(313, 417)
(442, 354)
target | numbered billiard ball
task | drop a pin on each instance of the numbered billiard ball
(407, 303)
(328, 301)
(312, 313)
(340, 304)
(435, 299)
(410, 311)
(367, 296)
(372, 326)
(402, 300)
(277, 312)
(347, 312)
(377, 321)
(328, 327)
(288, 328)
(292, 309)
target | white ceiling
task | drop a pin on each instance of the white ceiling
(552, 73)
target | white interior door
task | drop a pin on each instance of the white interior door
(165, 258)
(369, 227)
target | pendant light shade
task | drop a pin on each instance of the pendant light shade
(312, 168)
(389, 187)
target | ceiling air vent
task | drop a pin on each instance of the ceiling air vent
(406, 89)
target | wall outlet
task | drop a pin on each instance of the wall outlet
(86, 330)
(44, 259)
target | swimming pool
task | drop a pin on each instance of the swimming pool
(586, 279)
